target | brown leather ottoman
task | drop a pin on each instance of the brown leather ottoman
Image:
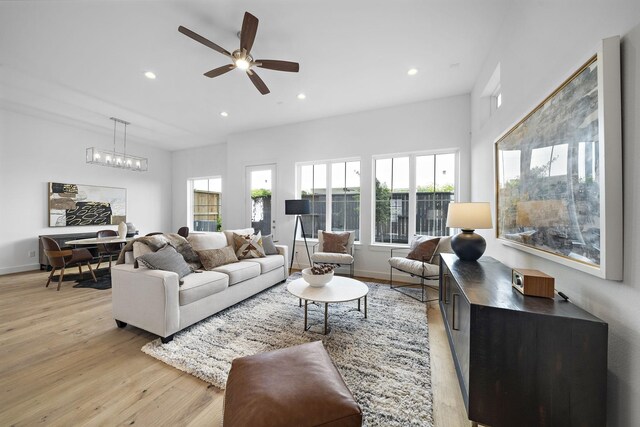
(296, 386)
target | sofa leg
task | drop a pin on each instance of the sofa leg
(121, 324)
(168, 339)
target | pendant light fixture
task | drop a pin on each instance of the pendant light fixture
(116, 159)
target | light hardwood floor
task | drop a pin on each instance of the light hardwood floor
(64, 362)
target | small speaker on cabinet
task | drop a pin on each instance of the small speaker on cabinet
(533, 283)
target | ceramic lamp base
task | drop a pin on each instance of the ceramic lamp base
(468, 246)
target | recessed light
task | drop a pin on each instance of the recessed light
(224, 114)
(302, 96)
(150, 75)
(412, 71)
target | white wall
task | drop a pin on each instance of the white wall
(430, 125)
(195, 163)
(35, 150)
(540, 45)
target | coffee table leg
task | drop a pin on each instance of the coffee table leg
(326, 312)
(358, 304)
(306, 303)
(365, 306)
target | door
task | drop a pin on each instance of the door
(261, 198)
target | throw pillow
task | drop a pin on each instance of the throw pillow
(187, 252)
(269, 246)
(335, 242)
(249, 246)
(424, 250)
(140, 249)
(212, 258)
(167, 259)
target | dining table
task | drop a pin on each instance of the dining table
(99, 240)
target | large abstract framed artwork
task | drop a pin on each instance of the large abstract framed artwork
(559, 172)
(77, 204)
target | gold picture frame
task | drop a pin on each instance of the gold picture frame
(558, 172)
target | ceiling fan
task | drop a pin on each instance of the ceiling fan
(241, 58)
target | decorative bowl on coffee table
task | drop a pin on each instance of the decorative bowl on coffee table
(316, 280)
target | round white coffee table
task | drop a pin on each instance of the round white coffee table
(339, 289)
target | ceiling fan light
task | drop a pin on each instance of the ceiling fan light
(242, 63)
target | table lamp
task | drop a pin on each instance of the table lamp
(467, 245)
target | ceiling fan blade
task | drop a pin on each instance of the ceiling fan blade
(271, 64)
(220, 71)
(197, 37)
(257, 82)
(248, 32)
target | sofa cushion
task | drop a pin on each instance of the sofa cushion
(414, 267)
(444, 247)
(269, 246)
(424, 250)
(239, 271)
(167, 259)
(331, 258)
(212, 258)
(248, 246)
(335, 242)
(240, 231)
(140, 249)
(202, 241)
(200, 285)
(268, 263)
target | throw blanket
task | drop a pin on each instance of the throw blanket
(159, 241)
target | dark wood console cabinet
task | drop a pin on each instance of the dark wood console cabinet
(521, 361)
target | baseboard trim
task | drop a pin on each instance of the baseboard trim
(18, 269)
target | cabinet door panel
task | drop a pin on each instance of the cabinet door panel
(460, 313)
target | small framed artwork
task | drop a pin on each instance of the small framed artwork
(559, 172)
(78, 204)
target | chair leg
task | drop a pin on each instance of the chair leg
(91, 271)
(50, 277)
(80, 271)
(110, 258)
(61, 276)
(99, 261)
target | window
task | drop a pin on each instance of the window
(435, 189)
(392, 200)
(412, 196)
(205, 204)
(333, 190)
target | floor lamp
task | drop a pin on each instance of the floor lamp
(298, 207)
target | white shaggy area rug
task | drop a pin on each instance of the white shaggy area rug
(384, 359)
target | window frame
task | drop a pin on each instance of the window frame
(412, 189)
(190, 199)
(329, 190)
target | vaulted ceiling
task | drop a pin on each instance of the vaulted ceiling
(85, 60)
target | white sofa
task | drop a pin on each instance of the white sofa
(154, 301)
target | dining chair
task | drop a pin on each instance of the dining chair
(107, 249)
(183, 231)
(63, 258)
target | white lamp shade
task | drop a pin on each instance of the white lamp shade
(469, 216)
